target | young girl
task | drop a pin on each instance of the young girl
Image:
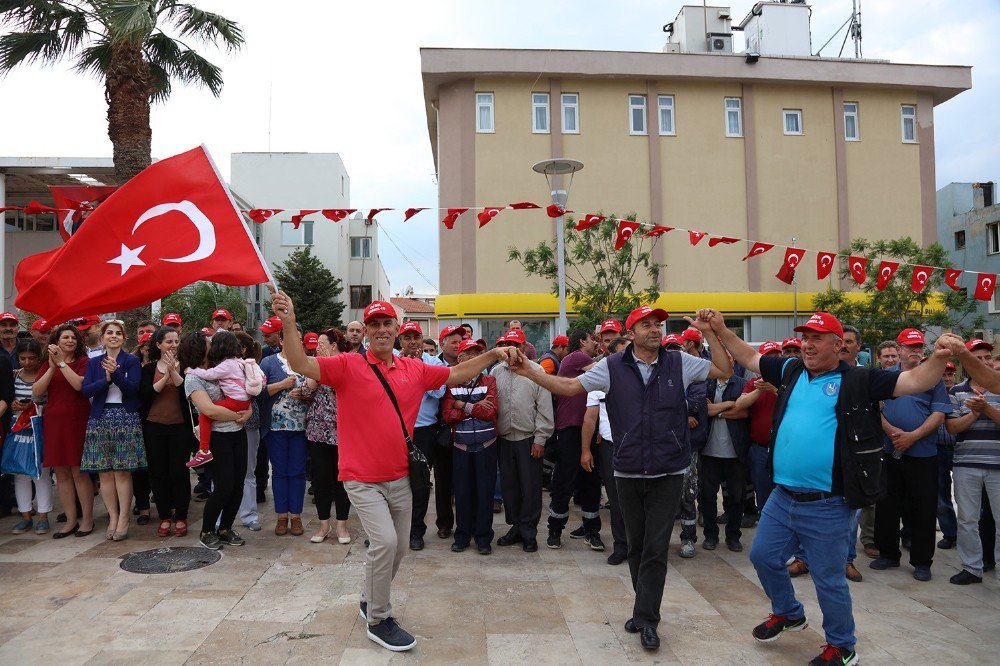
(240, 379)
(29, 356)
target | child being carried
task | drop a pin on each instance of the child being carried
(240, 380)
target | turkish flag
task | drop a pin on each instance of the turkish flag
(261, 215)
(886, 270)
(171, 225)
(758, 248)
(625, 230)
(410, 212)
(950, 277)
(589, 220)
(373, 212)
(76, 203)
(985, 284)
(488, 214)
(858, 269)
(793, 256)
(34, 208)
(555, 210)
(524, 205)
(297, 218)
(824, 264)
(657, 231)
(726, 240)
(335, 214)
(919, 278)
(452, 216)
(696, 236)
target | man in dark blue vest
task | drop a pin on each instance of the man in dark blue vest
(648, 412)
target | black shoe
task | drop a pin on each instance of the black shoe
(458, 547)
(835, 656)
(905, 542)
(61, 518)
(513, 536)
(649, 638)
(594, 541)
(748, 521)
(444, 533)
(946, 543)
(391, 636)
(416, 543)
(775, 625)
(631, 627)
(734, 545)
(363, 610)
(200, 488)
(922, 573)
(883, 563)
(261, 498)
(965, 577)
(989, 566)
(211, 540)
(529, 546)
(63, 535)
(578, 533)
(485, 550)
(310, 490)
(709, 543)
(554, 541)
(232, 538)
(201, 497)
(616, 558)
(497, 506)
(722, 519)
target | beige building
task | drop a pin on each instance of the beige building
(817, 149)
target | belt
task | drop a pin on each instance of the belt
(814, 496)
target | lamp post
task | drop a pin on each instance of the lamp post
(560, 167)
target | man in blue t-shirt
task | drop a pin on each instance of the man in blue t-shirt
(808, 506)
(911, 425)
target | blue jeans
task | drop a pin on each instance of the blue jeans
(762, 485)
(821, 528)
(287, 450)
(946, 510)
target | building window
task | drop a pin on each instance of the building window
(540, 113)
(960, 240)
(19, 221)
(993, 238)
(361, 296)
(666, 106)
(636, 114)
(570, 113)
(361, 247)
(852, 131)
(909, 119)
(734, 116)
(792, 121)
(301, 236)
(484, 112)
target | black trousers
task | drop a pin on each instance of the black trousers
(521, 485)
(912, 486)
(567, 475)
(228, 469)
(475, 478)
(443, 489)
(167, 449)
(987, 532)
(262, 468)
(141, 487)
(425, 439)
(712, 472)
(604, 454)
(648, 508)
(327, 490)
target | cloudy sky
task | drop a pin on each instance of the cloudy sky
(344, 77)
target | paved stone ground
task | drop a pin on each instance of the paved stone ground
(285, 600)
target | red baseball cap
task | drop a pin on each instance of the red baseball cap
(310, 340)
(144, 338)
(770, 347)
(642, 312)
(910, 336)
(222, 313)
(672, 339)
(611, 325)
(692, 335)
(976, 343)
(466, 345)
(410, 327)
(40, 325)
(207, 331)
(379, 309)
(450, 330)
(8, 316)
(88, 321)
(172, 318)
(271, 325)
(822, 322)
(513, 337)
(950, 366)
(791, 342)
(560, 341)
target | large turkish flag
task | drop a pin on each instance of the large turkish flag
(171, 225)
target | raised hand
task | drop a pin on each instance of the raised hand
(282, 306)
(948, 345)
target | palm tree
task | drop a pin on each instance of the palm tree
(126, 42)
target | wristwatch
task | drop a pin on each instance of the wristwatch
(61, 364)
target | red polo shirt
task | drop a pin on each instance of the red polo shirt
(761, 412)
(372, 448)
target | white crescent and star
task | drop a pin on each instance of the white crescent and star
(922, 276)
(886, 271)
(129, 257)
(856, 266)
(825, 259)
(986, 282)
(793, 260)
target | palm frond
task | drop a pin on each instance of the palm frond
(192, 68)
(128, 20)
(206, 26)
(75, 30)
(159, 81)
(95, 59)
(18, 47)
(32, 15)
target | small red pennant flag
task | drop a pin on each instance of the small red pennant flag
(261, 215)
(758, 249)
(919, 278)
(858, 269)
(297, 218)
(34, 208)
(696, 236)
(726, 240)
(824, 264)
(452, 216)
(410, 212)
(951, 276)
(589, 220)
(4, 208)
(335, 214)
(373, 212)
(886, 270)
(793, 256)
(523, 205)
(985, 284)
(658, 231)
(488, 214)
(555, 210)
(625, 230)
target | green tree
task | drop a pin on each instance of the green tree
(601, 282)
(312, 288)
(196, 304)
(881, 315)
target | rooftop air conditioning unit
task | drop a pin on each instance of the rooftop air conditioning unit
(720, 43)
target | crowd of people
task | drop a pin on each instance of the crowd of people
(824, 455)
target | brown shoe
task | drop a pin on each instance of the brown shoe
(852, 573)
(797, 568)
(871, 551)
(281, 527)
(444, 533)
(296, 529)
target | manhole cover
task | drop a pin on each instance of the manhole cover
(169, 560)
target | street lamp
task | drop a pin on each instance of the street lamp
(560, 167)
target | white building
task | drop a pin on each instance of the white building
(297, 181)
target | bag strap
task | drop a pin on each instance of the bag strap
(392, 397)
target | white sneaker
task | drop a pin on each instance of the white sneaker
(687, 549)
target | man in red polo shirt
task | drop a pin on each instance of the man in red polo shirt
(758, 399)
(374, 464)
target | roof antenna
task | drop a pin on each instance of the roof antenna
(853, 25)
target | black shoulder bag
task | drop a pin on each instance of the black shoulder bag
(419, 467)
